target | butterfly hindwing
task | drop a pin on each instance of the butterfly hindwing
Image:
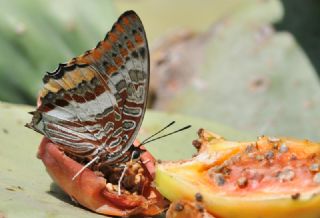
(98, 99)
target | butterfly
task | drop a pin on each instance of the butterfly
(92, 107)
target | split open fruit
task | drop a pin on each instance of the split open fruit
(97, 192)
(270, 177)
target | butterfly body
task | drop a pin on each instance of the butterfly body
(94, 104)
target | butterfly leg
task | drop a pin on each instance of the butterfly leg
(121, 179)
(134, 155)
(96, 158)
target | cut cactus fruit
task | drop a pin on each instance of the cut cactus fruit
(97, 192)
(270, 177)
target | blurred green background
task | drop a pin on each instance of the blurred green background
(240, 68)
(249, 64)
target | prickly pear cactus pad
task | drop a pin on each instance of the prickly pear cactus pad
(36, 35)
(240, 72)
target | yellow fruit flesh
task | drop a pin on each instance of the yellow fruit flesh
(271, 196)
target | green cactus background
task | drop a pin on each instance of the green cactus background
(37, 35)
(251, 65)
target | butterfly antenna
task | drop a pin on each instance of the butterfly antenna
(84, 167)
(151, 140)
(167, 126)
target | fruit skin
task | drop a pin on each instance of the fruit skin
(90, 190)
(183, 179)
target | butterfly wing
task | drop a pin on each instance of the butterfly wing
(98, 100)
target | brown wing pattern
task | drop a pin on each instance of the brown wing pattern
(98, 100)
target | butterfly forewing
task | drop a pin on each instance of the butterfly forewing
(98, 100)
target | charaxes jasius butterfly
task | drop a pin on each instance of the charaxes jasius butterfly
(92, 107)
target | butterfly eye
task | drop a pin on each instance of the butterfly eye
(136, 154)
